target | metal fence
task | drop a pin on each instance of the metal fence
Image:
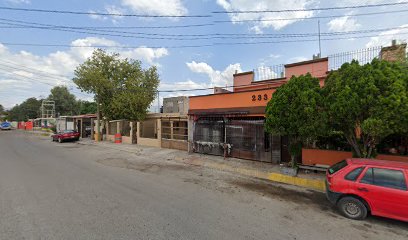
(363, 56)
(269, 72)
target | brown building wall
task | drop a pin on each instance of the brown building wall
(394, 53)
(174, 144)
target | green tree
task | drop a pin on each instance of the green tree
(3, 113)
(122, 87)
(29, 109)
(87, 107)
(367, 103)
(295, 111)
(65, 102)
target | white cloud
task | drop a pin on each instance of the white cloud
(363, 2)
(189, 84)
(111, 9)
(160, 7)
(147, 54)
(216, 77)
(343, 24)
(275, 56)
(96, 17)
(19, 1)
(297, 59)
(385, 38)
(269, 59)
(249, 5)
(19, 68)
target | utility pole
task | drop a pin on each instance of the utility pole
(98, 119)
(320, 46)
(158, 101)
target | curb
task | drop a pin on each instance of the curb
(314, 184)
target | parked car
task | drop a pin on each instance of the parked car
(66, 135)
(362, 186)
(5, 126)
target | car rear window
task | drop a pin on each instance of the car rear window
(353, 175)
(338, 166)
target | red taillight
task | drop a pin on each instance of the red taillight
(329, 180)
(65, 135)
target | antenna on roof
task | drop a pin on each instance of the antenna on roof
(320, 45)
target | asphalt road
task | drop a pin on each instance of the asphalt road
(71, 191)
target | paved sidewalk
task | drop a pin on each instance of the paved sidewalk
(40, 133)
(243, 167)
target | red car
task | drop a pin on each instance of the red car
(361, 186)
(66, 135)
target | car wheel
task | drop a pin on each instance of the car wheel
(352, 208)
(59, 140)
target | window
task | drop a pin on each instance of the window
(353, 175)
(385, 178)
(125, 126)
(148, 129)
(338, 166)
(368, 177)
(389, 178)
(112, 128)
(176, 130)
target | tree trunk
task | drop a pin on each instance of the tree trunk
(353, 142)
(293, 160)
(370, 151)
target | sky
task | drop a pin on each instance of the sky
(201, 48)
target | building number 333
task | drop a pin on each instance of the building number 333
(260, 97)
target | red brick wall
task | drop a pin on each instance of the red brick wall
(330, 157)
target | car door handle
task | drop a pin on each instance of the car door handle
(362, 189)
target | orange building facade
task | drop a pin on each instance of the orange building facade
(231, 123)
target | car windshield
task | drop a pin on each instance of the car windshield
(68, 131)
(338, 166)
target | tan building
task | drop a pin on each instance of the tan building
(166, 130)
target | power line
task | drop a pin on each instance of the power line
(102, 46)
(24, 68)
(306, 40)
(140, 27)
(26, 78)
(230, 36)
(194, 25)
(20, 76)
(37, 80)
(100, 13)
(51, 26)
(95, 32)
(200, 46)
(310, 18)
(316, 9)
(35, 71)
(215, 35)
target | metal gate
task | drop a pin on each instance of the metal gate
(243, 137)
(248, 139)
(209, 135)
